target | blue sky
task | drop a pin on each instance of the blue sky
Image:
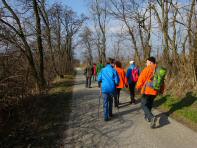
(79, 6)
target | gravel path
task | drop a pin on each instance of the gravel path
(127, 129)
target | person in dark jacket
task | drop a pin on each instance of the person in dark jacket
(88, 72)
(109, 79)
(131, 81)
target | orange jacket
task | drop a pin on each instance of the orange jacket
(122, 76)
(145, 76)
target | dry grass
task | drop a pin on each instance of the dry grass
(39, 121)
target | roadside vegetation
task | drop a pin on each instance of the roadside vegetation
(182, 109)
(38, 121)
(39, 40)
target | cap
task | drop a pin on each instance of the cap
(131, 62)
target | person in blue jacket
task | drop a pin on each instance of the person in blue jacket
(132, 77)
(109, 79)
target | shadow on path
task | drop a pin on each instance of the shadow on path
(186, 101)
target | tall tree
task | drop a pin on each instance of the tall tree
(99, 12)
(15, 33)
(87, 41)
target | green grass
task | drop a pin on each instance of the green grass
(182, 109)
(39, 121)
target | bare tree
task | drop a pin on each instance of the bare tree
(87, 41)
(131, 14)
(99, 12)
(71, 25)
(39, 43)
(48, 26)
(14, 32)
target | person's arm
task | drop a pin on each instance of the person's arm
(85, 71)
(128, 73)
(142, 79)
(125, 79)
(117, 79)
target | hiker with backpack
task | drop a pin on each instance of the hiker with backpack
(123, 81)
(132, 77)
(109, 79)
(151, 82)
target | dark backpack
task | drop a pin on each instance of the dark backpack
(135, 74)
(158, 78)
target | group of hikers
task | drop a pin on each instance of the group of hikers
(112, 78)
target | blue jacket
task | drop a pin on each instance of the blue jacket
(129, 73)
(109, 79)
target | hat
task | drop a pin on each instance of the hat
(152, 59)
(131, 62)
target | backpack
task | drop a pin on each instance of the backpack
(135, 74)
(158, 78)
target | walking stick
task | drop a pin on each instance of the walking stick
(118, 110)
(115, 99)
(100, 95)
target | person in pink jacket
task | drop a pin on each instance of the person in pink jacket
(94, 72)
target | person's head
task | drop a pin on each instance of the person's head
(118, 64)
(110, 61)
(150, 60)
(131, 62)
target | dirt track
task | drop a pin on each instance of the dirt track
(126, 129)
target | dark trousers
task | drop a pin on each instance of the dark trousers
(116, 97)
(107, 105)
(132, 90)
(94, 77)
(147, 104)
(88, 81)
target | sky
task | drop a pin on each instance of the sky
(79, 6)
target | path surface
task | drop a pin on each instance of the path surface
(128, 129)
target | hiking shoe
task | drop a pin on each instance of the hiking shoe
(153, 122)
(107, 119)
(147, 119)
(111, 115)
(133, 101)
(116, 106)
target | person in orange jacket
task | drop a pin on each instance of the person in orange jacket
(148, 93)
(123, 81)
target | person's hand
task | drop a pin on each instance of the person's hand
(137, 91)
(100, 94)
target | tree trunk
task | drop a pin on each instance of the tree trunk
(42, 82)
(194, 63)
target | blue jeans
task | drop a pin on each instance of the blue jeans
(107, 105)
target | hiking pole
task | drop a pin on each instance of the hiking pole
(118, 111)
(116, 102)
(100, 95)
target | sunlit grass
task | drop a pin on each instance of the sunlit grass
(183, 109)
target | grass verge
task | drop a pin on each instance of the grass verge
(39, 121)
(182, 109)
